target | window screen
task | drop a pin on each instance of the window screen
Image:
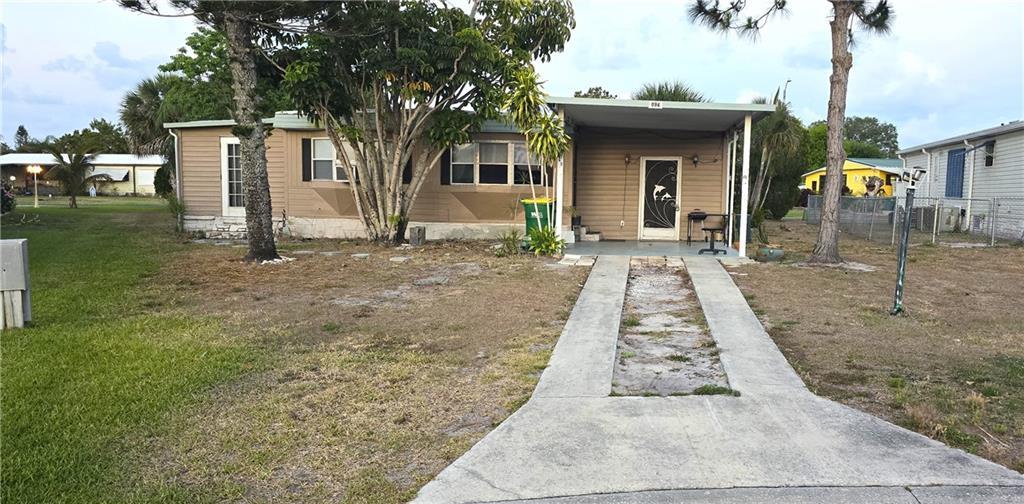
(522, 169)
(463, 161)
(323, 159)
(494, 163)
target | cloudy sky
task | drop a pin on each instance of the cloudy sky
(941, 72)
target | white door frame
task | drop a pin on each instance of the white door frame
(226, 210)
(674, 233)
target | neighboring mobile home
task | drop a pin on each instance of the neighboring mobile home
(129, 174)
(633, 170)
(856, 173)
(981, 172)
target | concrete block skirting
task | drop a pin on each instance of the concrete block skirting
(342, 228)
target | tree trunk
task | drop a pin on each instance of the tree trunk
(826, 250)
(259, 222)
(73, 202)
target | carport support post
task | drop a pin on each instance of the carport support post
(745, 186)
(730, 196)
(559, 193)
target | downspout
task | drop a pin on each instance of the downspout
(177, 167)
(177, 181)
(928, 170)
(970, 183)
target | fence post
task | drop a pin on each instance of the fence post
(994, 212)
(895, 217)
(935, 219)
(871, 225)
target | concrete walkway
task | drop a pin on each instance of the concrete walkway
(571, 443)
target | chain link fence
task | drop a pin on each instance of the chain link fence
(951, 221)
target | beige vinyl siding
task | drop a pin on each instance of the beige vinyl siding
(607, 191)
(472, 204)
(201, 185)
(200, 169)
(435, 202)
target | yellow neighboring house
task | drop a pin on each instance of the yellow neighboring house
(856, 172)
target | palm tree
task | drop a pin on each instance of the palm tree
(669, 91)
(778, 136)
(73, 170)
(144, 112)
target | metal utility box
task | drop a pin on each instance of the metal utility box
(16, 306)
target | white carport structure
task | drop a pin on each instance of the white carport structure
(611, 136)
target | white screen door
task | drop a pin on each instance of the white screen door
(659, 208)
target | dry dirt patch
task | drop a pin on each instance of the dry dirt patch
(952, 368)
(378, 373)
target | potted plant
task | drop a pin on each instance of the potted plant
(766, 252)
(575, 216)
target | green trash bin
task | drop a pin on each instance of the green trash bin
(538, 212)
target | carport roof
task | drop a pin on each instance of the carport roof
(667, 115)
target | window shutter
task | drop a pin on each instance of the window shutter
(407, 172)
(446, 167)
(307, 160)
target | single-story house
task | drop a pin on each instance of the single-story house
(130, 174)
(856, 173)
(981, 172)
(633, 170)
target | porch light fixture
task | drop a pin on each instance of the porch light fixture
(696, 160)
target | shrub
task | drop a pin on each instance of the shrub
(545, 241)
(510, 243)
(162, 181)
(7, 201)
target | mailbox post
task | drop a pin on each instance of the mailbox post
(16, 305)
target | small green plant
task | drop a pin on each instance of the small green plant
(509, 243)
(631, 321)
(715, 390)
(679, 358)
(545, 241)
(177, 209)
(627, 354)
(330, 327)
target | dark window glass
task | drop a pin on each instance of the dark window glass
(494, 174)
(462, 173)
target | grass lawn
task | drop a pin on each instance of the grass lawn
(795, 213)
(952, 368)
(161, 370)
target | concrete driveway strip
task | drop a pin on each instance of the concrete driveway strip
(751, 360)
(775, 443)
(584, 357)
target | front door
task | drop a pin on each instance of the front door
(659, 208)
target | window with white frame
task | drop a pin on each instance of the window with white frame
(233, 195)
(325, 164)
(495, 163)
(990, 153)
(464, 164)
(525, 165)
